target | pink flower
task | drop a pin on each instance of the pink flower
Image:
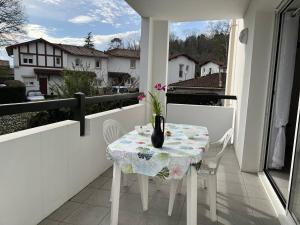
(159, 87)
(141, 97)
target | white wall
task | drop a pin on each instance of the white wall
(173, 70)
(43, 167)
(215, 68)
(120, 64)
(251, 75)
(89, 64)
(217, 119)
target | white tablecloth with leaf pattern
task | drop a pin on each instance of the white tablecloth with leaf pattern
(134, 153)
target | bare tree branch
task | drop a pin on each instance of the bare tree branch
(12, 19)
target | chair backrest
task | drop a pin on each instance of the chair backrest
(225, 140)
(112, 130)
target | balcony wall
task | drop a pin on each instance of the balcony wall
(43, 167)
(217, 119)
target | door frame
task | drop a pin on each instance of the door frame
(46, 78)
(269, 109)
(270, 96)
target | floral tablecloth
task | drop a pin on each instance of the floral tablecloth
(134, 153)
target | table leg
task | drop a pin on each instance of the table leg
(191, 194)
(115, 195)
(143, 183)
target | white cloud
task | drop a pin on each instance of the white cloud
(35, 31)
(53, 2)
(82, 19)
(112, 11)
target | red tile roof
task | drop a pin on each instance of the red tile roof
(184, 55)
(71, 49)
(208, 81)
(127, 53)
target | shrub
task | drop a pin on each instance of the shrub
(76, 81)
(47, 117)
(13, 92)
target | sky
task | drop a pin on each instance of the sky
(69, 21)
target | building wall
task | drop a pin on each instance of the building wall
(43, 167)
(88, 64)
(215, 68)
(173, 70)
(25, 73)
(251, 83)
(217, 119)
(121, 64)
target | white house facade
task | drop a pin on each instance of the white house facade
(181, 67)
(211, 67)
(38, 63)
(123, 66)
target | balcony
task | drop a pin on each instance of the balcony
(54, 175)
(240, 200)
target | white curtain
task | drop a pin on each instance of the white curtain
(285, 76)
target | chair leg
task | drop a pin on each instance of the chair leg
(173, 190)
(143, 183)
(212, 188)
(115, 195)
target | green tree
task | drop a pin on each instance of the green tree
(76, 81)
(89, 41)
(116, 43)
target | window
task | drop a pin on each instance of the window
(210, 69)
(28, 59)
(181, 70)
(203, 70)
(98, 63)
(132, 63)
(187, 68)
(57, 60)
(77, 62)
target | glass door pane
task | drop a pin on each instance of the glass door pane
(284, 103)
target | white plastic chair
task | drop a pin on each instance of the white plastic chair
(113, 130)
(208, 170)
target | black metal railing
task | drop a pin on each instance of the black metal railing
(77, 105)
(197, 99)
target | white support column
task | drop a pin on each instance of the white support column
(160, 54)
(154, 56)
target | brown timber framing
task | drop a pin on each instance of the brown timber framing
(45, 44)
(37, 53)
(19, 50)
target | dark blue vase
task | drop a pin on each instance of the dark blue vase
(157, 137)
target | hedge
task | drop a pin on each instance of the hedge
(14, 91)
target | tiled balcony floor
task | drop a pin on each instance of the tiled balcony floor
(241, 200)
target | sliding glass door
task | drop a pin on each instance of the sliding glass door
(284, 104)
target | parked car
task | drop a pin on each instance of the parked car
(119, 89)
(35, 95)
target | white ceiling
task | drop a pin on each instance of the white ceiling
(187, 10)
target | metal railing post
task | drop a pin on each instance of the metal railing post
(79, 111)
